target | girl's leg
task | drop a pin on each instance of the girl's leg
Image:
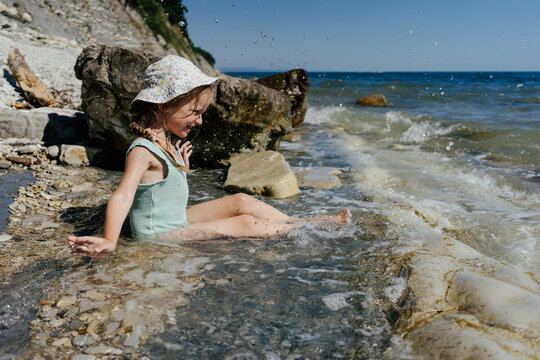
(232, 206)
(238, 226)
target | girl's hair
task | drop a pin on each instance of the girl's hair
(144, 115)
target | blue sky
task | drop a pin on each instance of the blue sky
(348, 35)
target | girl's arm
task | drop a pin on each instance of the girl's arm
(137, 162)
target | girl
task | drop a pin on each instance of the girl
(154, 189)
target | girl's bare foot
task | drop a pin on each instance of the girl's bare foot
(343, 217)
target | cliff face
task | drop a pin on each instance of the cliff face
(142, 24)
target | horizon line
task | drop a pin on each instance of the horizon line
(246, 69)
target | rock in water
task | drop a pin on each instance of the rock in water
(319, 178)
(33, 88)
(264, 173)
(294, 84)
(373, 100)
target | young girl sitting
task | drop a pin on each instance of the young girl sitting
(154, 189)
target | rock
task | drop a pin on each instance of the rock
(73, 155)
(246, 114)
(28, 149)
(111, 78)
(62, 342)
(83, 340)
(5, 164)
(83, 357)
(294, 84)
(51, 125)
(33, 88)
(53, 151)
(61, 185)
(20, 160)
(66, 301)
(26, 17)
(86, 305)
(318, 177)
(274, 177)
(5, 237)
(102, 349)
(485, 308)
(373, 100)
(8, 11)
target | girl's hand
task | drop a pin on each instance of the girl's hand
(91, 246)
(185, 151)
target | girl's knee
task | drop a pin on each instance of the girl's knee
(242, 201)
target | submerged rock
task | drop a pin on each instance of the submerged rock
(276, 179)
(318, 178)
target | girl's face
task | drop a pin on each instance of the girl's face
(181, 119)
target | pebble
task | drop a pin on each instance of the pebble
(61, 185)
(4, 164)
(66, 301)
(5, 237)
(28, 149)
(62, 342)
(102, 349)
(83, 340)
(53, 151)
(55, 323)
(83, 357)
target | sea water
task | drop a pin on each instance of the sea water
(462, 149)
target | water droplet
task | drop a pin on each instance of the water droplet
(411, 31)
(182, 24)
(217, 20)
(436, 43)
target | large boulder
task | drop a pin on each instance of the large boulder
(111, 78)
(246, 115)
(294, 84)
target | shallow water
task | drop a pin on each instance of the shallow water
(10, 180)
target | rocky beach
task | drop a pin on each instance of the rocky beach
(412, 276)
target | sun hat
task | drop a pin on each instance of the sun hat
(170, 77)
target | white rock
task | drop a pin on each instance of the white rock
(5, 237)
(53, 151)
(26, 17)
(264, 173)
(73, 155)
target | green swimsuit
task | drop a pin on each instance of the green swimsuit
(160, 206)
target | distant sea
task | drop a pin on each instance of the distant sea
(462, 148)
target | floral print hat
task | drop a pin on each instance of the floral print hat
(170, 77)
